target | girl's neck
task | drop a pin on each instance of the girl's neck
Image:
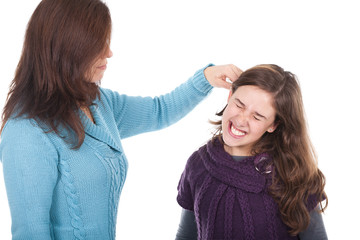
(236, 151)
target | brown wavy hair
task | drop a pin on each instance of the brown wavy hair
(63, 40)
(297, 181)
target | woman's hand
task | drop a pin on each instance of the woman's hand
(218, 75)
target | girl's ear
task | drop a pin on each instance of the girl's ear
(272, 128)
(230, 94)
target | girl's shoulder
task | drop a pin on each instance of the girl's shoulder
(194, 162)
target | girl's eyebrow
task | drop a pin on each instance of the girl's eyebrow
(240, 102)
(243, 105)
(259, 115)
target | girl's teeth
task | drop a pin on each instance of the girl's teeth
(236, 132)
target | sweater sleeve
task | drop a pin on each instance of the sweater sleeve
(134, 115)
(30, 174)
(184, 197)
(189, 177)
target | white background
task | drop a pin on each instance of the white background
(158, 44)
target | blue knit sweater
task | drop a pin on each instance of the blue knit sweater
(55, 192)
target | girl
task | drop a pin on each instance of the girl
(64, 165)
(258, 177)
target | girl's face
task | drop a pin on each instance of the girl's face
(248, 115)
(99, 67)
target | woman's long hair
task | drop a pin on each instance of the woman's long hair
(296, 174)
(52, 80)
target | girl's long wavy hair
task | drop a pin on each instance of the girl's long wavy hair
(63, 40)
(296, 174)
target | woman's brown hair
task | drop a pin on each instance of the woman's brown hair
(52, 80)
(297, 181)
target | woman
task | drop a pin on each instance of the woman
(257, 178)
(64, 165)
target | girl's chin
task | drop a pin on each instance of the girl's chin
(236, 149)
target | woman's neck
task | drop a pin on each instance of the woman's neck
(88, 113)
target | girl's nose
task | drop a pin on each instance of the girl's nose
(242, 118)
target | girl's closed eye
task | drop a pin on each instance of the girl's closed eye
(238, 103)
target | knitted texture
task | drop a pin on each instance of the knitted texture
(56, 192)
(72, 199)
(230, 198)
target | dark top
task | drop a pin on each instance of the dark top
(228, 200)
(188, 231)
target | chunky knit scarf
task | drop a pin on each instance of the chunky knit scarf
(230, 198)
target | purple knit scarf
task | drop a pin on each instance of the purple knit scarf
(230, 189)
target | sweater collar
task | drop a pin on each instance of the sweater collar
(98, 129)
(247, 174)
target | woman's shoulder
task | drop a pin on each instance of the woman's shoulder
(21, 126)
(106, 95)
(113, 99)
(106, 92)
(21, 132)
(110, 95)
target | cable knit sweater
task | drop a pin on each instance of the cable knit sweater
(230, 198)
(56, 192)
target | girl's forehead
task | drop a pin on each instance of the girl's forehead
(251, 90)
(255, 98)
